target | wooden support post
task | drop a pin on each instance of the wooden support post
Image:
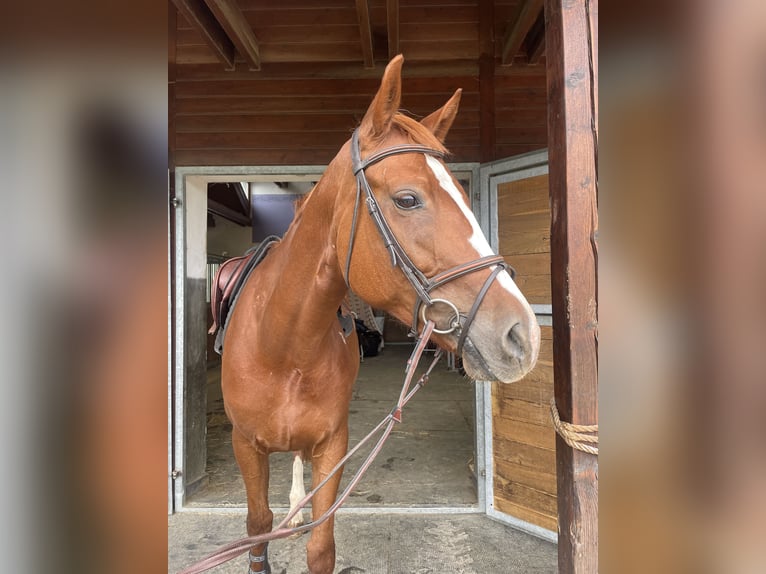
(392, 19)
(572, 151)
(365, 32)
(486, 82)
(172, 46)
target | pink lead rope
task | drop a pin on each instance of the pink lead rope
(234, 549)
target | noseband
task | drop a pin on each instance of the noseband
(423, 285)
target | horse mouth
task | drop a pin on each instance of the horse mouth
(475, 364)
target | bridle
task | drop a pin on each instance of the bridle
(422, 285)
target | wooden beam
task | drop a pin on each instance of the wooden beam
(172, 27)
(365, 32)
(518, 30)
(392, 16)
(227, 213)
(335, 71)
(237, 28)
(242, 194)
(199, 16)
(536, 41)
(486, 81)
(572, 145)
(536, 50)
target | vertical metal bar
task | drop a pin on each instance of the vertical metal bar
(180, 339)
(170, 361)
(480, 456)
(489, 467)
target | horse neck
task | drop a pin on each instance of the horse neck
(309, 287)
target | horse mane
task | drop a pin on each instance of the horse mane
(300, 200)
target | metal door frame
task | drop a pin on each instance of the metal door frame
(490, 176)
(190, 208)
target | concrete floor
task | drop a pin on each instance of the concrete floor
(376, 544)
(424, 463)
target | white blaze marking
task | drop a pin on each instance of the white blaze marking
(297, 491)
(477, 239)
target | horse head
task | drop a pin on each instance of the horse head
(427, 213)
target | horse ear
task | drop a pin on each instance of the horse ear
(377, 120)
(441, 120)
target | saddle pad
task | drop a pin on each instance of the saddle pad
(227, 284)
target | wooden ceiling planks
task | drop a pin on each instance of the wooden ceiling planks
(313, 87)
(392, 27)
(365, 32)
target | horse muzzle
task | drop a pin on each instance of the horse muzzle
(505, 352)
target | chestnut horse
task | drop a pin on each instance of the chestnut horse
(288, 369)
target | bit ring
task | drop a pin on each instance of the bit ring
(455, 321)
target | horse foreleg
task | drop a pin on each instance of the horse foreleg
(297, 491)
(320, 550)
(254, 466)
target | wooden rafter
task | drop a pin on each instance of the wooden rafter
(226, 212)
(237, 28)
(536, 50)
(392, 16)
(518, 30)
(486, 81)
(536, 41)
(365, 31)
(242, 195)
(200, 16)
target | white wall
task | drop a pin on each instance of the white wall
(228, 238)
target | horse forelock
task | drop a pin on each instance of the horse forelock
(417, 133)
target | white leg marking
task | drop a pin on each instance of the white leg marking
(297, 491)
(477, 239)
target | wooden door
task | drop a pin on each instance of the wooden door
(523, 480)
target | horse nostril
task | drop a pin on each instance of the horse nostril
(515, 342)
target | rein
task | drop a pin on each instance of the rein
(234, 549)
(422, 285)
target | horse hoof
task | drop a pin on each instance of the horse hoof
(297, 534)
(296, 521)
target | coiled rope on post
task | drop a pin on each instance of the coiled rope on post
(574, 435)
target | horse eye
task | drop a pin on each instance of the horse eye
(407, 201)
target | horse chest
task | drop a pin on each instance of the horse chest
(294, 411)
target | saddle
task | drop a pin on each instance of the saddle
(228, 282)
